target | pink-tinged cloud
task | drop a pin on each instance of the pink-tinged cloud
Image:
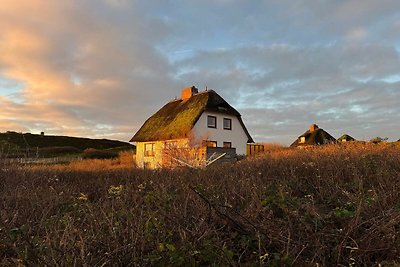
(79, 70)
(100, 68)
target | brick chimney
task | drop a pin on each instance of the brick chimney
(313, 127)
(189, 92)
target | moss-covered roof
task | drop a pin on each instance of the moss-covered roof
(346, 137)
(316, 137)
(177, 118)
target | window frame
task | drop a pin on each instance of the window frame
(207, 142)
(226, 143)
(208, 121)
(230, 124)
(149, 153)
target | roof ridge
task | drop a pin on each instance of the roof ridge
(177, 117)
(199, 93)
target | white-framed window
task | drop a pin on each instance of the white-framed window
(149, 150)
(211, 121)
(227, 124)
(227, 145)
(209, 143)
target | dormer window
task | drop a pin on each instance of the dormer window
(302, 140)
(211, 121)
(227, 124)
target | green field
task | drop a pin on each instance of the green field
(26, 145)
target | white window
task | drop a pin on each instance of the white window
(302, 140)
(227, 124)
(227, 145)
(211, 121)
(209, 143)
(149, 150)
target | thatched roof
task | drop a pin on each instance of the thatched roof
(314, 136)
(176, 119)
(346, 138)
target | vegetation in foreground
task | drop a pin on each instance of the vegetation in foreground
(337, 205)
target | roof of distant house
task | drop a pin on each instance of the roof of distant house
(346, 137)
(176, 119)
(314, 136)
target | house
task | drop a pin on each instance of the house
(202, 122)
(313, 136)
(346, 138)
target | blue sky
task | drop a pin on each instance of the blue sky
(101, 68)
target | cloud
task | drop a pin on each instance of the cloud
(282, 89)
(100, 68)
(78, 66)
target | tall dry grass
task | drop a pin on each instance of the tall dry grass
(337, 205)
(125, 160)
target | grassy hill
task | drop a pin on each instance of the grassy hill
(49, 145)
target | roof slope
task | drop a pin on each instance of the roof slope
(346, 137)
(177, 118)
(316, 137)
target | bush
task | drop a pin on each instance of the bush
(58, 150)
(378, 140)
(92, 153)
(337, 205)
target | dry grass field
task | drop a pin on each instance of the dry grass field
(336, 205)
(125, 161)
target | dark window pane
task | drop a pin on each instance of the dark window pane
(212, 122)
(227, 124)
(227, 145)
(210, 143)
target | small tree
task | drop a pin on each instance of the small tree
(378, 140)
(191, 153)
(7, 149)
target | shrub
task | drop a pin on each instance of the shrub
(337, 205)
(92, 153)
(377, 140)
(58, 150)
